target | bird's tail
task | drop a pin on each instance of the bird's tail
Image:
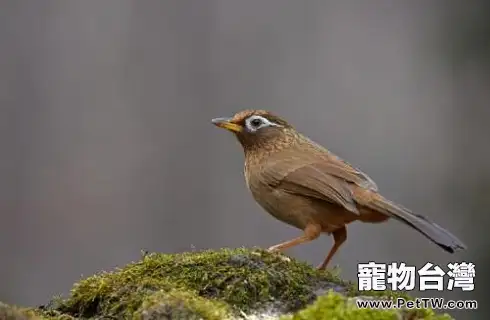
(429, 229)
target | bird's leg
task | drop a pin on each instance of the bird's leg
(339, 237)
(311, 232)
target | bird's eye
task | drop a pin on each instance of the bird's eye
(256, 122)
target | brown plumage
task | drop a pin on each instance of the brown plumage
(303, 184)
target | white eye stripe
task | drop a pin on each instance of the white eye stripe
(256, 122)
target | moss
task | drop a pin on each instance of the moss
(14, 313)
(178, 304)
(245, 279)
(212, 285)
(339, 307)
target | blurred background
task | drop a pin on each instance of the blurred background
(107, 146)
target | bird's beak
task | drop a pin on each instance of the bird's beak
(227, 124)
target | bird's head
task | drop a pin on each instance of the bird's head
(258, 129)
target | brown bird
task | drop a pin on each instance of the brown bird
(303, 184)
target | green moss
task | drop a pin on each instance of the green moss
(178, 304)
(14, 313)
(214, 285)
(11, 313)
(242, 278)
(339, 307)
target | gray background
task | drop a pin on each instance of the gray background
(107, 147)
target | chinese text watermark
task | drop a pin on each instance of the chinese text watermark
(399, 276)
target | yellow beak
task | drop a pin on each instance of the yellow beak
(226, 123)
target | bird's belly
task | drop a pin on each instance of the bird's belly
(299, 211)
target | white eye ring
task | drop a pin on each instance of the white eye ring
(255, 123)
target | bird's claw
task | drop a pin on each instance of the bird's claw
(273, 249)
(321, 267)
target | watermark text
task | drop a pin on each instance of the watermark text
(400, 276)
(418, 303)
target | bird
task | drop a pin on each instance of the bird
(305, 185)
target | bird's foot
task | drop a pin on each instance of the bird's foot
(278, 251)
(321, 267)
(276, 248)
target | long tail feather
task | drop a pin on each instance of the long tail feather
(429, 229)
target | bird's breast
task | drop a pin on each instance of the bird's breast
(265, 195)
(292, 209)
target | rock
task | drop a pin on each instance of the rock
(214, 285)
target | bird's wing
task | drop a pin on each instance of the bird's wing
(339, 167)
(313, 177)
(343, 170)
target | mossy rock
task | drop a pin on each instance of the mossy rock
(339, 307)
(223, 284)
